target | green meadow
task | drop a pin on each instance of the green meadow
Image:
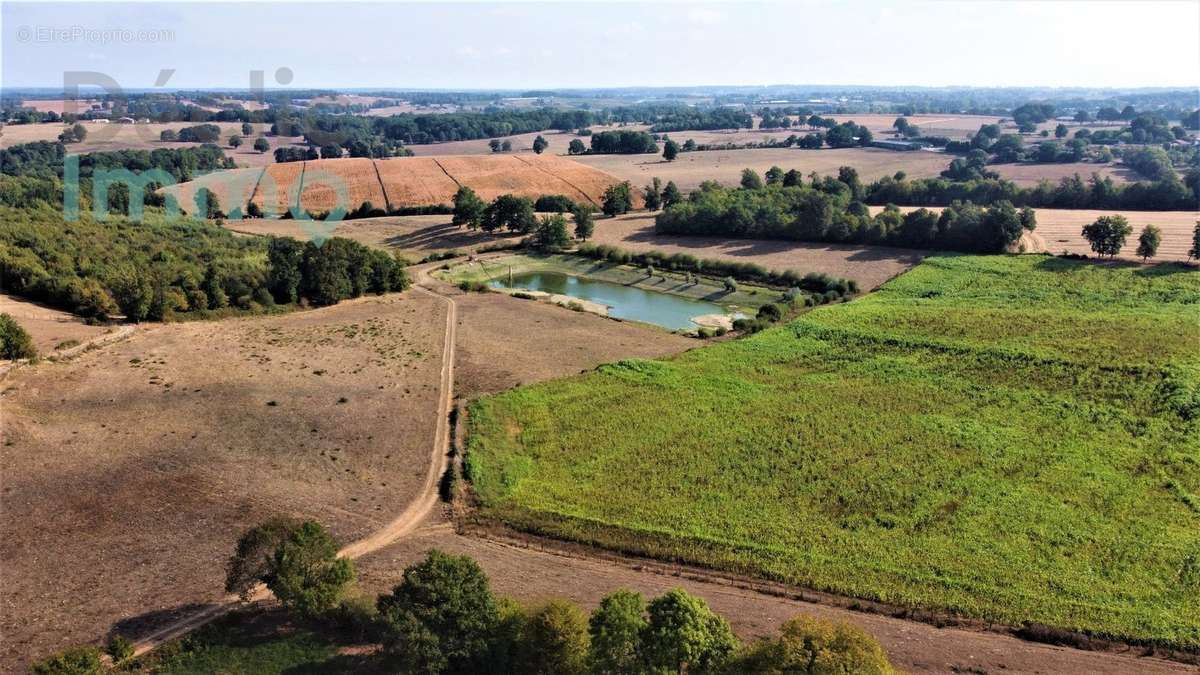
(1012, 438)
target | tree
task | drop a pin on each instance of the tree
(253, 210)
(208, 204)
(670, 150)
(751, 180)
(671, 194)
(235, 141)
(506, 146)
(331, 151)
(511, 212)
(76, 134)
(689, 145)
(792, 178)
(247, 129)
(284, 257)
(468, 208)
(307, 576)
(774, 175)
(684, 635)
(551, 233)
(1148, 242)
(441, 617)
(1194, 251)
(1107, 234)
(585, 225)
(554, 640)
(253, 561)
(652, 195)
(809, 646)
(616, 627)
(539, 144)
(15, 343)
(494, 144)
(168, 135)
(1060, 131)
(576, 147)
(618, 199)
(261, 144)
(133, 294)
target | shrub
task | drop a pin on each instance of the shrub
(74, 661)
(554, 639)
(770, 312)
(119, 648)
(473, 286)
(15, 342)
(813, 646)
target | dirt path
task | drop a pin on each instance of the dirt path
(403, 524)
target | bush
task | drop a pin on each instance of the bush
(815, 646)
(119, 648)
(473, 286)
(770, 312)
(74, 661)
(15, 342)
(554, 639)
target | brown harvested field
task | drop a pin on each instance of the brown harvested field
(870, 266)
(51, 329)
(349, 181)
(414, 236)
(415, 181)
(522, 143)
(1060, 230)
(130, 471)
(399, 182)
(1031, 174)
(112, 136)
(532, 575)
(725, 166)
(58, 105)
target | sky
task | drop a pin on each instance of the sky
(475, 45)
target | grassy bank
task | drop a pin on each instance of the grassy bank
(1011, 438)
(747, 298)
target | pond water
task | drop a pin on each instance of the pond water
(624, 302)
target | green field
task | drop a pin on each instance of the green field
(1009, 437)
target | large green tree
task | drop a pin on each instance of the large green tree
(468, 208)
(616, 627)
(618, 199)
(683, 635)
(441, 618)
(1148, 242)
(1107, 234)
(307, 576)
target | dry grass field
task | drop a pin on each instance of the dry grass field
(1028, 175)
(175, 440)
(106, 137)
(398, 182)
(1059, 230)
(725, 166)
(870, 266)
(58, 105)
(414, 236)
(51, 329)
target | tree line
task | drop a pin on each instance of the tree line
(160, 268)
(832, 210)
(444, 618)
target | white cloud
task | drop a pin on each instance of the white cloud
(705, 17)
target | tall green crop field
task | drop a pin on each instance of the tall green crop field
(1007, 437)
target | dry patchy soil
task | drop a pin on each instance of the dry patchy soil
(870, 266)
(414, 236)
(130, 472)
(51, 329)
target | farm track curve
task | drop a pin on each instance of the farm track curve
(394, 530)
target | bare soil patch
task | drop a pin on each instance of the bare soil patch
(870, 266)
(49, 328)
(1060, 230)
(173, 442)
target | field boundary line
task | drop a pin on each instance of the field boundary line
(400, 526)
(254, 190)
(551, 173)
(300, 190)
(122, 333)
(435, 161)
(387, 202)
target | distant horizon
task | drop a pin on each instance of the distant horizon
(524, 46)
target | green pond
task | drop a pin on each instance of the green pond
(624, 302)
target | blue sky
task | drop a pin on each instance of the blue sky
(535, 45)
